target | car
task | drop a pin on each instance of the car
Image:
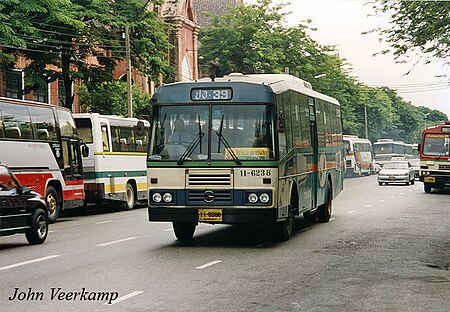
(415, 163)
(21, 210)
(396, 172)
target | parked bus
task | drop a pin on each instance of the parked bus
(40, 144)
(358, 156)
(115, 169)
(244, 149)
(435, 157)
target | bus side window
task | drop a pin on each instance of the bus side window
(105, 138)
(123, 145)
(13, 133)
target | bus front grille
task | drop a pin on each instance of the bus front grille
(444, 167)
(220, 197)
(209, 178)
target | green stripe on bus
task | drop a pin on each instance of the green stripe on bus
(115, 174)
(205, 164)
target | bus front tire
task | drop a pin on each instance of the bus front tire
(284, 229)
(184, 231)
(39, 227)
(324, 210)
(53, 205)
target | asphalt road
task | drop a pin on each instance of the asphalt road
(385, 249)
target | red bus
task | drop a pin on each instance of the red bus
(434, 157)
(40, 144)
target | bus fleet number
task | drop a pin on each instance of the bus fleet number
(256, 173)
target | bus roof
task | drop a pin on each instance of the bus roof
(27, 102)
(254, 88)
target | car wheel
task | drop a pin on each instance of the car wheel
(184, 231)
(39, 227)
(129, 197)
(53, 205)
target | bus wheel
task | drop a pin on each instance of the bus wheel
(310, 217)
(39, 227)
(284, 229)
(324, 211)
(129, 197)
(427, 187)
(52, 201)
(184, 230)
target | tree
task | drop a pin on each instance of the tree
(58, 36)
(417, 25)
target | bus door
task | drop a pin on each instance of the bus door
(315, 147)
(71, 152)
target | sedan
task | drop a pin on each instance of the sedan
(21, 210)
(415, 163)
(396, 172)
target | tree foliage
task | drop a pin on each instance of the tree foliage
(80, 40)
(417, 26)
(254, 39)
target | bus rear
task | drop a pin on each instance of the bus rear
(434, 157)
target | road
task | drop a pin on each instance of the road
(385, 249)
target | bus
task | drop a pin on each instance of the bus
(435, 157)
(386, 149)
(40, 144)
(116, 167)
(259, 149)
(358, 156)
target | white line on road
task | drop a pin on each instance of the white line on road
(393, 196)
(103, 222)
(367, 206)
(28, 262)
(208, 264)
(168, 230)
(117, 241)
(351, 211)
(134, 293)
(402, 193)
(380, 201)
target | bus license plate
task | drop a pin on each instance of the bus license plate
(210, 215)
(429, 179)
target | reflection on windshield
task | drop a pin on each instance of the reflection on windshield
(436, 145)
(396, 165)
(247, 130)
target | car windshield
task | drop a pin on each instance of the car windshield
(212, 132)
(396, 165)
(6, 180)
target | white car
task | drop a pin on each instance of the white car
(396, 172)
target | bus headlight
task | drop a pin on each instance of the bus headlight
(264, 198)
(167, 197)
(252, 198)
(157, 197)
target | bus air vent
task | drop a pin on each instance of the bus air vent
(209, 178)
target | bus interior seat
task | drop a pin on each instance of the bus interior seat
(123, 145)
(13, 133)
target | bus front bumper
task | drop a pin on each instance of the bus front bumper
(229, 215)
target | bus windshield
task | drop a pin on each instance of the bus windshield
(212, 132)
(436, 145)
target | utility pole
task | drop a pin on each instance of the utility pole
(128, 63)
(365, 122)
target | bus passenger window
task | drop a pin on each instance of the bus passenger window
(105, 138)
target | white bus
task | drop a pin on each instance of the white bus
(385, 150)
(358, 156)
(40, 144)
(115, 169)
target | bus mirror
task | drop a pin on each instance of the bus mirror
(281, 123)
(418, 147)
(140, 128)
(85, 150)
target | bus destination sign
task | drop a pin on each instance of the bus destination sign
(211, 94)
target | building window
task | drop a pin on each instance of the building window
(41, 94)
(14, 84)
(61, 93)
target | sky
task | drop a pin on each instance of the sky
(341, 23)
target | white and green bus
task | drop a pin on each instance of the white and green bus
(243, 149)
(115, 169)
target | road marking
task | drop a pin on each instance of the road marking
(28, 262)
(168, 230)
(351, 211)
(393, 196)
(117, 241)
(132, 294)
(402, 193)
(208, 264)
(103, 222)
(367, 206)
(380, 201)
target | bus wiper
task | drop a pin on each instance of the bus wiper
(191, 147)
(230, 150)
(445, 149)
